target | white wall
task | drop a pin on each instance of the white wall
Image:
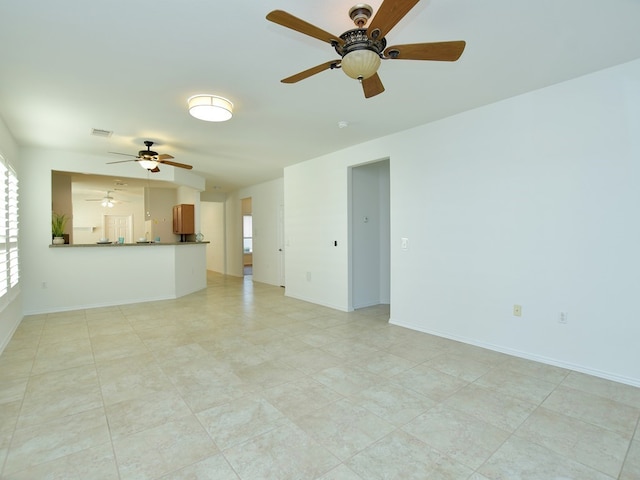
(212, 222)
(11, 314)
(530, 201)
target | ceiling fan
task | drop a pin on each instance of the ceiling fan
(362, 49)
(150, 160)
(107, 200)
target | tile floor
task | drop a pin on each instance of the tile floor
(240, 382)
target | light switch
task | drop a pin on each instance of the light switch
(404, 243)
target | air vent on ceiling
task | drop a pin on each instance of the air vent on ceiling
(101, 133)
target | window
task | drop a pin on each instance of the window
(247, 234)
(9, 258)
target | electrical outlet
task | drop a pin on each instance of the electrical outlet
(517, 310)
(563, 317)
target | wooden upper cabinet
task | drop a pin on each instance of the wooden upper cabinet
(184, 219)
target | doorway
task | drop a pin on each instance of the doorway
(370, 234)
(247, 237)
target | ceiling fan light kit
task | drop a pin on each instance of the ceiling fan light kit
(148, 164)
(360, 64)
(210, 108)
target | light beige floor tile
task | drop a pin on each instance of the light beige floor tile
(349, 350)
(478, 476)
(384, 363)
(285, 453)
(458, 366)
(521, 459)
(479, 354)
(300, 397)
(548, 373)
(97, 463)
(514, 384)
(9, 417)
(12, 389)
(130, 377)
(462, 437)
(110, 347)
(344, 428)
(17, 363)
(594, 409)
(42, 443)
(429, 382)
(62, 355)
(215, 467)
(57, 394)
(239, 421)
(499, 410)
(631, 467)
(6, 435)
(311, 360)
(109, 326)
(162, 449)
(64, 332)
(341, 472)
(346, 380)
(393, 402)
(268, 374)
(604, 388)
(317, 337)
(282, 347)
(402, 456)
(596, 447)
(202, 392)
(142, 413)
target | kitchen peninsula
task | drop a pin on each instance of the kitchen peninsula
(99, 275)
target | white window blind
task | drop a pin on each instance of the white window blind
(9, 230)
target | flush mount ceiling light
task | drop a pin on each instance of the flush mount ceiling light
(210, 108)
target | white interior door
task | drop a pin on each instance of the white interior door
(116, 226)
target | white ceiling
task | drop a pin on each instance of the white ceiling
(129, 66)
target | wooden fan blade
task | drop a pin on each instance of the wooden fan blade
(439, 51)
(164, 156)
(174, 164)
(372, 86)
(127, 154)
(287, 20)
(387, 16)
(122, 161)
(311, 71)
(154, 170)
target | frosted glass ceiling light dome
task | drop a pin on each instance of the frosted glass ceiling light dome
(210, 108)
(360, 64)
(148, 164)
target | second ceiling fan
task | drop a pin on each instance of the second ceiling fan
(362, 49)
(150, 160)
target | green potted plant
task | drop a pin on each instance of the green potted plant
(58, 224)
